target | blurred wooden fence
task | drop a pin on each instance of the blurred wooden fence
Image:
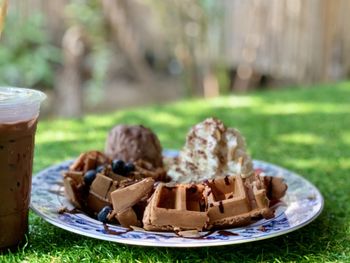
(304, 41)
(297, 40)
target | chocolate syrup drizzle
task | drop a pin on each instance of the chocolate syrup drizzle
(227, 181)
(227, 233)
(192, 188)
(221, 207)
(69, 211)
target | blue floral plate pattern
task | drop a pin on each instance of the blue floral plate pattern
(300, 206)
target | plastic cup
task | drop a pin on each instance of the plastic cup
(19, 111)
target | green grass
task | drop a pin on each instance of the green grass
(306, 130)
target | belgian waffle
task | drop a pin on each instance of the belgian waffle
(231, 202)
(178, 207)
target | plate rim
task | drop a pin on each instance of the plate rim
(200, 243)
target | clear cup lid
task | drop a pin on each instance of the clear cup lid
(18, 104)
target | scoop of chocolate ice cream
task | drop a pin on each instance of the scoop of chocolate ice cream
(132, 143)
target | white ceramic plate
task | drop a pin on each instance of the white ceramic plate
(301, 205)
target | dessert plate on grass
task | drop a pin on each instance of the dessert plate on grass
(300, 206)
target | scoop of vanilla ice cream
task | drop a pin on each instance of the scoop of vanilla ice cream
(211, 150)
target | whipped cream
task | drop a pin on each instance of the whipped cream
(211, 150)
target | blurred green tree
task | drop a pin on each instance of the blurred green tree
(192, 37)
(87, 15)
(27, 57)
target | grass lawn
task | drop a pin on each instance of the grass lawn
(305, 130)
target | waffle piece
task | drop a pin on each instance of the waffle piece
(71, 191)
(144, 169)
(275, 187)
(124, 198)
(102, 186)
(89, 160)
(232, 203)
(77, 177)
(128, 218)
(95, 203)
(179, 207)
(73, 188)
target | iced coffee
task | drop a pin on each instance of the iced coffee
(19, 110)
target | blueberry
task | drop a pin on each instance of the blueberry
(89, 177)
(129, 167)
(100, 168)
(102, 215)
(118, 167)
